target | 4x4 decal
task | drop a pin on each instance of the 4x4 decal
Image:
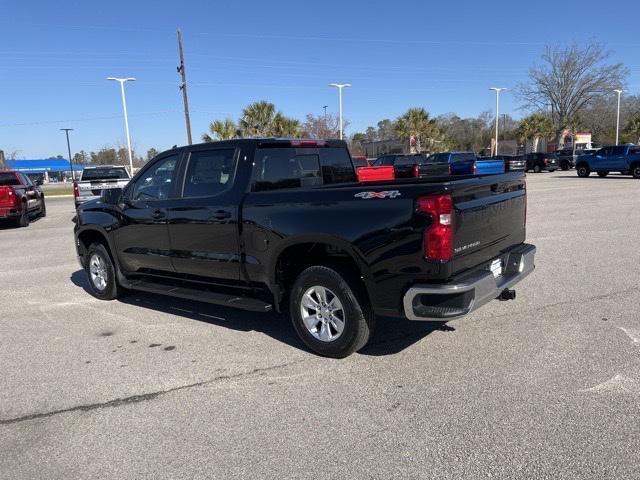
(384, 194)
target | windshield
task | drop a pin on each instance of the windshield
(106, 173)
(8, 179)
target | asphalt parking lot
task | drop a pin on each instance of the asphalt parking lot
(547, 386)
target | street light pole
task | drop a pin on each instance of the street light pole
(619, 92)
(66, 131)
(325, 113)
(497, 90)
(122, 81)
(340, 86)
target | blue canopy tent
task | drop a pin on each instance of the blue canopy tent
(54, 165)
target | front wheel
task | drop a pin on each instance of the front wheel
(603, 174)
(536, 169)
(635, 171)
(330, 314)
(101, 273)
(583, 171)
(564, 166)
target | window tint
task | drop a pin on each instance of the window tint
(105, 173)
(634, 150)
(8, 179)
(336, 165)
(27, 180)
(209, 172)
(155, 183)
(388, 160)
(277, 168)
(604, 151)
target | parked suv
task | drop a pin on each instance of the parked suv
(541, 161)
(615, 158)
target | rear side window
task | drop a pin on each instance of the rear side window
(209, 172)
(8, 179)
(277, 168)
(107, 173)
(634, 150)
(618, 150)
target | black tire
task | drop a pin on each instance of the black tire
(635, 171)
(603, 174)
(107, 272)
(564, 166)
(23, 220)
(583, 171)
(43, 208)
(536, 169)
(356, 311)
(551, 170)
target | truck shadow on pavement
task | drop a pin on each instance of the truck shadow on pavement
(392, 335)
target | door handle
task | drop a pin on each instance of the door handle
(221, 214)
(158, 214)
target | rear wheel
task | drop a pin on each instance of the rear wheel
(43, 208)
(537, 169)
(101, 273)
(583, 171)
(564, 166)
(635, 171)
(330, 313)
(603, 174)
(23, 219)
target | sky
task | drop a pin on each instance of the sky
(442, 56)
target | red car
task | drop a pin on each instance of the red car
(20, 199)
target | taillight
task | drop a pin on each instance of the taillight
(416, 171)
(76, 190)
(438, 238)
(8, 197)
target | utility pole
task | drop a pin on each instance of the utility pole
(183, 87)
(66, 131)
(618, 91)
(325, 113)
(497, 90)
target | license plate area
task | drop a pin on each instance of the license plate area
(496, 267)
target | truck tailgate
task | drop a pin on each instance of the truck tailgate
(489, 219)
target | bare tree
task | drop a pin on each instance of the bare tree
(568, 79)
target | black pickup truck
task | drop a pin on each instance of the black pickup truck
(274, 223)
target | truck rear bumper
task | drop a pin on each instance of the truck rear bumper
(470, 290)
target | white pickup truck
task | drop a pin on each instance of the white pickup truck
(96, 179)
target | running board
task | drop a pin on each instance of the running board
(234, 301)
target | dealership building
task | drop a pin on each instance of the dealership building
(51, 169)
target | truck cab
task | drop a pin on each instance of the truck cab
(613, 158)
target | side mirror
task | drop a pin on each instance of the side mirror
(111, 196)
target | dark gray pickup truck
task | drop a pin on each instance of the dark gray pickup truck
(285, 224)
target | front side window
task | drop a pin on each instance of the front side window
(155, 183)
(209, 172)
(277, 168)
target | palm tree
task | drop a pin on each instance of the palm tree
(415, 123)
(533, 127)
(221, 130)
(257, 119)
(633, 127)
(283, 126)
